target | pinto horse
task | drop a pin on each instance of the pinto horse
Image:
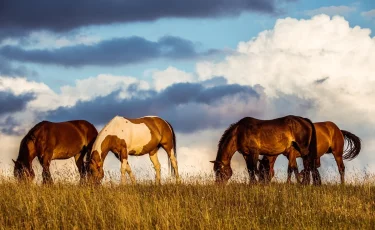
(252, 137)
(125, 136)
(49, 141)
(330, 139)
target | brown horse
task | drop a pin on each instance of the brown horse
(125, 136)
(252, 137)
(49, 141)
(330, 139)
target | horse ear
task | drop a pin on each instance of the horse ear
(14, 161)
(213, 162)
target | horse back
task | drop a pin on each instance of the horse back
(63, 139)
(140, 135)
(273, 136)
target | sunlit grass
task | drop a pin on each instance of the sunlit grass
(195, 204)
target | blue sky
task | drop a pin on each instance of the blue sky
(202, 65)
(207, 33)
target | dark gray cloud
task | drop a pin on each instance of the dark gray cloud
(18, 17)
(118, 51)
(10, 103)
(187, 106)
(11, 127)
(8, 69)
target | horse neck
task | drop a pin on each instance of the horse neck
(227, 150)
(24, 153)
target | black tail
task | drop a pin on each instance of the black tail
(354, 145)
(175, 150)
(313, 149)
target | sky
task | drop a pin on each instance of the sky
(201, 65)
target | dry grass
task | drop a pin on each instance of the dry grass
(186, 206)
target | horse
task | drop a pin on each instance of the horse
(330, 139)
(54, 140)
(125, 136)
(252, 137)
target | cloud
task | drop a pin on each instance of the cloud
(323, 61)
(10, 103)
(117, 51)
(19, 17)
(331, 10)
(163, 79)
(369, 14)
(188, 106)
(8, 69)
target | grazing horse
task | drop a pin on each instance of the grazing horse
(330, 139)
(125, 136)
(49, 141)
(252, 137)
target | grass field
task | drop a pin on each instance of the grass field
(186, 206)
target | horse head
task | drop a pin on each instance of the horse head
(23, 171)
(95, 168)
(223, 172)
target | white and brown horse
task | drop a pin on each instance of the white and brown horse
(125, 136)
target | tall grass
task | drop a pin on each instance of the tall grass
(193, 205)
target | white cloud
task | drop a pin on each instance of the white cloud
(369, 14)
(331, 10)
(169, 76)
(322, 59)
(101, 85)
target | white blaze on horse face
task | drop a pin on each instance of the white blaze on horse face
(136, 136)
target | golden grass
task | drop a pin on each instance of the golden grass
(187, 206)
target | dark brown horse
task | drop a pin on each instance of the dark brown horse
(330, 139)
(125, 136)
(252, 137)
(49, 141)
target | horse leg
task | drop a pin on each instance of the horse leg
(125, 168)
(81, 167)
(341, 166)
(170, 151)
(155, 161)
(306, 171)
(315, 173)
(251, 163)
(46, 174)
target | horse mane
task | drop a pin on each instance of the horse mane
(30, 136)
(227, 133)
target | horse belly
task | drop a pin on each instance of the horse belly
(139, 140)
(64, 152)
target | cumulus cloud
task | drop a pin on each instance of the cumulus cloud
(117, 51)
(19, 17)
(331, 10)
(322, 60)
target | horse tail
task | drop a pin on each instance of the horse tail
(174, 149)
(354, 145)
(313, 149)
